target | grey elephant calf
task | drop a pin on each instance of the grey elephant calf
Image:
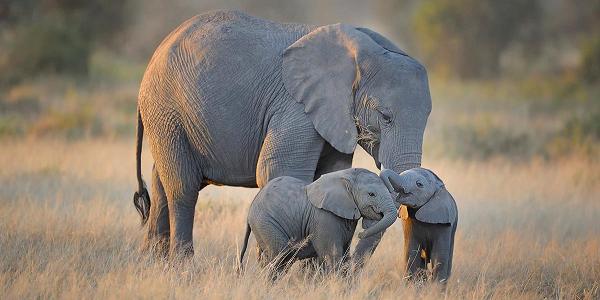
(429, 218)
(292, 220)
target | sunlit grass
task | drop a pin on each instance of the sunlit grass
(68, 229)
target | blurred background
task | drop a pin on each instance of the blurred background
(514, 78)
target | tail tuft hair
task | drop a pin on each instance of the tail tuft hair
(141, 201)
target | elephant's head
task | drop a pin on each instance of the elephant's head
(353, 193)
(423, 190)
(356, 86)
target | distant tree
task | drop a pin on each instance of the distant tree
(397, 16)
(586, 22)
(55, 36)
(467, 37)
(590, 60)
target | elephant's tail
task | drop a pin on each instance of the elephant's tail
(141, 198)
(244, 246)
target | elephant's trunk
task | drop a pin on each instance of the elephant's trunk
(402, 151)
(389, 217)
(391, 179)
(407, 161)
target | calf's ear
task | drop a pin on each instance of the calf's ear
(440, 209)
(333, 193)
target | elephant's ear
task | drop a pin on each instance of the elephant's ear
(333, 193)
(440, 209)
(381, 40)
(320, 70)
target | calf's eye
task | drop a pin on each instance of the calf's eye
(419, 184)
(371, 194)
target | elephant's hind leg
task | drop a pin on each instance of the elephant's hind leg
(157, 239)
(182, 204)
(182, 180)
(260, 255)
(282, 262)
(279, 253)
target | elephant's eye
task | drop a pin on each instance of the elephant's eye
(419, 184)
(386, 118)
(371, 194)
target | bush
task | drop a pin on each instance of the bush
(485, 141)
(578, 134)
(469, 36)
(72, 124)
(55, 36)
(590, 62)
(67, 109)
(46, 47)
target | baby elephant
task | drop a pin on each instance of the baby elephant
(292, 220)
(429, 218)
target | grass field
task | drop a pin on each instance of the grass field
(68, 229)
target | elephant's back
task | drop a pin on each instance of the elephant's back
(282, 204)
(215, 39)
(281, 193)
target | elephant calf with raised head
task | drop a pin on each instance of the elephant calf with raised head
(292, 220)
(429, 217)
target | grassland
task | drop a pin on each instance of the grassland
(524, 169)
(68, 230)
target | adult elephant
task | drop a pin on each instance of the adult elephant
(230, 99)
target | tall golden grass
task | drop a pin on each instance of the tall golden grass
(68, 229)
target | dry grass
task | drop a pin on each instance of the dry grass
(68, 229)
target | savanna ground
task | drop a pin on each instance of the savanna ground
(525, 174)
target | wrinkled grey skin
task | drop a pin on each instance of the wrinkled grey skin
(292, 220)
(230, 99)
(429, 218)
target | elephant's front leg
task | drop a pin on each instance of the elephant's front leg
(365, 247)
(157, 239)
(415, 263)
(331, 240)
(332, 160)
(291, 148)
(439, 261)
(333, 254)
(440, 258)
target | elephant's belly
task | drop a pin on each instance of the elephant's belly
(227, 161)
(219, 178)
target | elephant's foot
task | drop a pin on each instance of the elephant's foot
(417, 278)
(157, 247)
(181, 251)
